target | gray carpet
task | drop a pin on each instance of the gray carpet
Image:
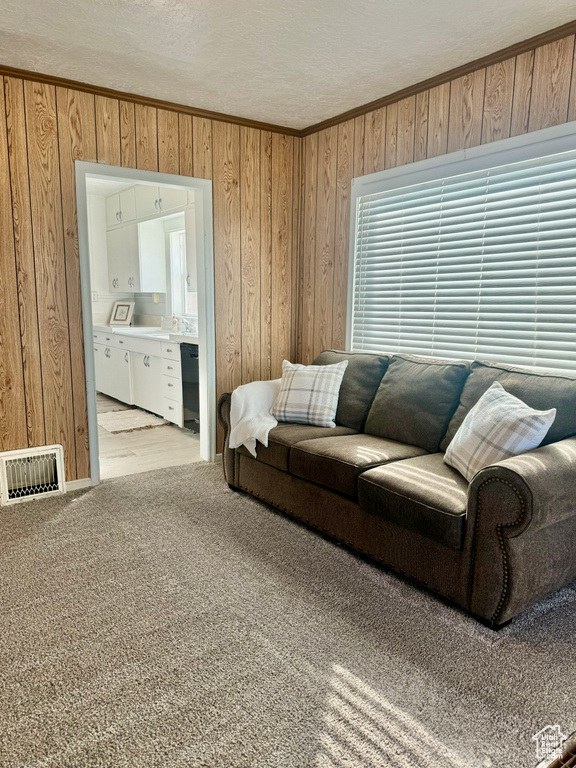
(163, 620)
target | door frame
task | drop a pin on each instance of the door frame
(205, 274)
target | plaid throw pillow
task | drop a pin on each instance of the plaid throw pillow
(498, 426)
(309, 393)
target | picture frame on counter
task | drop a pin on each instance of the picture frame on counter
(122, 313)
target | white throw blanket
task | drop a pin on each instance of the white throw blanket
(250, 417)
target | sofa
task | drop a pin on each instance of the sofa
(377, 481)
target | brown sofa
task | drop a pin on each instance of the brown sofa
(377, 481)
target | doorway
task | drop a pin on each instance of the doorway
(145, 301)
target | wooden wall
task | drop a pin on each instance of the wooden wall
(256, 189)
(533, 90)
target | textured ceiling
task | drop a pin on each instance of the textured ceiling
(290, 62)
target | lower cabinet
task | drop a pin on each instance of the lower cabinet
(113, 374)
(147, 378)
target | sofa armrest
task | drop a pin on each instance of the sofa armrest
(228, 454)
(521, 530)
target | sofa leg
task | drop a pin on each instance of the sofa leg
(233, 488)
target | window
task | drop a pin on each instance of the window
(476, 259)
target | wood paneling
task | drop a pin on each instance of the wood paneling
(281, 311)
(146, 138)
(265, 254)
(498, 101)
(77, 141)
(185, 149)
(325, 237)
(466, 107)
(309, 245)
(227, 263)
(43, 131)
(13, 427)
(108, 130)
(509, 97)
(438, 112)
(168, 142)
(127, 134)
(281, 218)
(421, 127)
(522, 93)
(551, 85)
(250, 251)
(26, 270)
(344, 174)
(374, 140)
(49, 258)
(202, 148)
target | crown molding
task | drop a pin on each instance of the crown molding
(485, 61)
(493, 58)
(146, 101)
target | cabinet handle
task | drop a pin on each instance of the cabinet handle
(120, 216)
(117, 216)
(156, 203)
(169, 367)
(188, 280)
(160, 203)
(126, 356)
(170, 408)
(168, 350)
(170, 385)
(95, 349)
(120, 341)
(107, 338)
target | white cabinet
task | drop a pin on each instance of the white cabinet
(113, 372)
(172, 408)
(121, 208)
(171, 198)
(153, 200)
(152, 256)
(147, 381)
(123, 259)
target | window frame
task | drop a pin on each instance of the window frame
(547, 141)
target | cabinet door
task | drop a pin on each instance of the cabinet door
(100, 368)
(120, 377)
(123, 269)
(127, 205)
(112, 210)
(152, 256)
(147, 381)
(146, 201)
(172, 198)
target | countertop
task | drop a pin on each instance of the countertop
(147, 332)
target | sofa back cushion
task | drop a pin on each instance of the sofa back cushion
(541, 391)
(416, 400)
(361, 379)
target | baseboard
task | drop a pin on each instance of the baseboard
(76, 485)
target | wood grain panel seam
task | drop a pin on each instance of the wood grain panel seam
(513, 95)
(33, 245)
(483, 106)
(15, 262)
(334, 245)
(65, 275)
(571, 77)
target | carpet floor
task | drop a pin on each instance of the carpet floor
(164, 620)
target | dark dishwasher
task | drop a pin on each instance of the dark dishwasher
(190, 386)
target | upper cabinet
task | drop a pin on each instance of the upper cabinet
(121, 208)
(151, 201)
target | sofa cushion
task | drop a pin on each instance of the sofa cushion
(361, 379)
(280, 439)
(540, 391)
(336, 462)
(423, 494)
(416, 399)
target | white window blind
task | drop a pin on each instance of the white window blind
(476, 266)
